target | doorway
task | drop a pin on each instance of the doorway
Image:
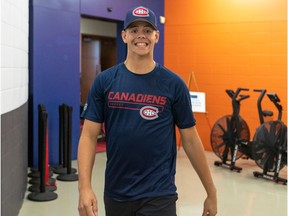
(98, 53)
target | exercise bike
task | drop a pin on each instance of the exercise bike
(230, 138)
(270, 145)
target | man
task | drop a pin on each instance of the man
(140, 102)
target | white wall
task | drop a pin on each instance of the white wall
(14, 53)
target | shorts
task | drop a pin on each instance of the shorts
(158, 206)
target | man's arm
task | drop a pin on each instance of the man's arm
(86, 156)
(193, 147)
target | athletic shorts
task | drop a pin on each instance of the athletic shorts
(158, 206)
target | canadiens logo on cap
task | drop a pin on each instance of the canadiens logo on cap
(140, 14)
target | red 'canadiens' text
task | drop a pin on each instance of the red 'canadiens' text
(137, 98)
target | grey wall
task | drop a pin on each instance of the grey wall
(14, 159)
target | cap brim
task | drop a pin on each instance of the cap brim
(140, 20)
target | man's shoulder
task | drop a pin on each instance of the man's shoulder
(169, 74)
(112, 69)
(109, 73)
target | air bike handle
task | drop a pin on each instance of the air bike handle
(242, 97)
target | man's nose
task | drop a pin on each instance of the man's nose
(141, 34)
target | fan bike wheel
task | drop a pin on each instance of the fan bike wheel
(269, 138)
(223, 136)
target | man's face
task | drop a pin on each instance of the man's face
(140, 38)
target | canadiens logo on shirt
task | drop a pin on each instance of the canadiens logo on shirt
(149, 112)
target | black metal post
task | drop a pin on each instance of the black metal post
(69, 175)
(43, 194)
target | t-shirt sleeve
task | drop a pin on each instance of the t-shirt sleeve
(94, 107)
(182, 108)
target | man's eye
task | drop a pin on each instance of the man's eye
(148, 31)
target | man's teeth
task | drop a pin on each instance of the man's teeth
(141, 44)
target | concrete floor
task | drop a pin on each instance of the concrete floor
(239, 194)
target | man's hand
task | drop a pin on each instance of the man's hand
(87, 204)
(210, 206)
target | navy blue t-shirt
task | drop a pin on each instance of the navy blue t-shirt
(140, 113)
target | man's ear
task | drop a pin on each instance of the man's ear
(157, 35)
(123, 34)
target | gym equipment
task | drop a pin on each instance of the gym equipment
(228, 132)
(270, 145)
(230, 138)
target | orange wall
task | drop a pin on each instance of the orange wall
(228, 44)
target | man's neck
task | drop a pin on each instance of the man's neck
(140, 66)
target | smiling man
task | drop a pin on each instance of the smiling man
(140, 102)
